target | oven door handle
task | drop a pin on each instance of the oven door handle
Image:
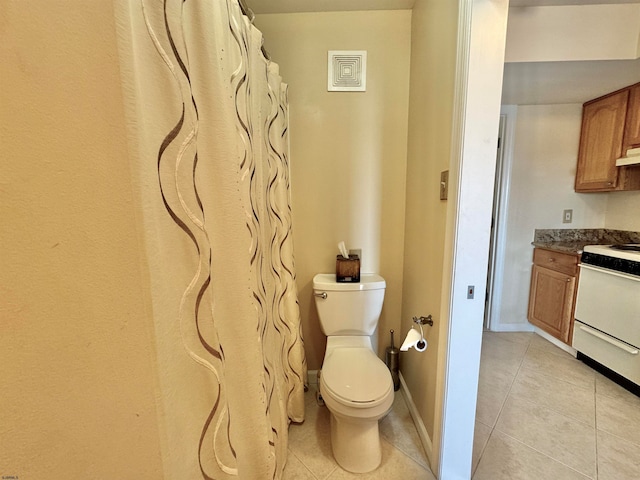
(610, 272)
(606, 338)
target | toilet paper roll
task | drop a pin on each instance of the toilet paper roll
(421, 346)
(413, 337)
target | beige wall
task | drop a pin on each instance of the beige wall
(77, 361)
(562, 33)
(622, 211)
(348, 150)
(433, 55)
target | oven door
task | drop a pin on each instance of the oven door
(607, 326)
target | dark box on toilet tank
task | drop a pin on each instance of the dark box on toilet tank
(348, 269)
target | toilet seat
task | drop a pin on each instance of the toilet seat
(356, 377)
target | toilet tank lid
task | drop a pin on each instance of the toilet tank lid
(368, 281)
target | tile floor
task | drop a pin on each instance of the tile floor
(543, 414)
(310, 456)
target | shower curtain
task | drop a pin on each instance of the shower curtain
(208, 124)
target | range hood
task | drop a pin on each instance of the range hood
(631, 158)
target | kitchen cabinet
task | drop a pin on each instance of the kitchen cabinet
(610, 126)
(554, 285)
(632, 127)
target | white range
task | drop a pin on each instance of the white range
(607, 316)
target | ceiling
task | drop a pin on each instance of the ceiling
(545, 3)
(296, 6)
(524, 83)
(293, 6)
(546, 83)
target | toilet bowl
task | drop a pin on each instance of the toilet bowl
(355, 384)
(357, 388)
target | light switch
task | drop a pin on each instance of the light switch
(567, 216)
(444, 185)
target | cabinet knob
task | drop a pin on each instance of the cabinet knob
(568, 280)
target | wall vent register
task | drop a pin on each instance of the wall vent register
(347, 71)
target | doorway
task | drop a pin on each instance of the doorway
(497, 244)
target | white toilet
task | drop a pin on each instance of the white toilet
(355, 384)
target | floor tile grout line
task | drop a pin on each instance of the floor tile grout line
(563, 414)
(595, 433)
(556, 378)
(291, 452)
(473, 472)
(600, 393)
(328, 474)
(636, 444)
(594, 426)
(382, 437)
(413, 425)
(428, 469)
(546, 455)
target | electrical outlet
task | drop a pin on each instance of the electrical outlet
(567, 216)
(356, 251)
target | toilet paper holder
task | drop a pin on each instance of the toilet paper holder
(428, 320)
(414, 338)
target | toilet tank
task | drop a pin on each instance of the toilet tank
(348, 308)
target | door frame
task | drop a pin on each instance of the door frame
(482, 26)
(504, 161)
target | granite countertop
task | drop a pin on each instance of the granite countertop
(574, 240)
(565, 247)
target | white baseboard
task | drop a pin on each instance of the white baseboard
(512, 327)
(556, 342)
(422, 430)
(312, 376)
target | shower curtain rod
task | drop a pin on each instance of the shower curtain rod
(252, 16)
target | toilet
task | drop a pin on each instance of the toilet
(355, 384)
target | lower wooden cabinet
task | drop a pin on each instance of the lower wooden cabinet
(554, 285)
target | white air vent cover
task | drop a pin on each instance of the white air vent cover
(347, 71)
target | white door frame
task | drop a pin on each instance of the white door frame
(501, 202)
(482, 29)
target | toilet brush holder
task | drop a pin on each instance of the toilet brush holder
(392, 359)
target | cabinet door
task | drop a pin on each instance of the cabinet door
(632, 128)
(601, 142)
(551, 300)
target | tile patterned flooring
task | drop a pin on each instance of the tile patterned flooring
(310, 456)
(541, 414)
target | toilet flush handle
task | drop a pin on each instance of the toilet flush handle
(322, 295)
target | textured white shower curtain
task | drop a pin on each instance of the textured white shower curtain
(208, 118)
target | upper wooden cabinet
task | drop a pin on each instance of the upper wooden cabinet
(610, 126)
(632, 128)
